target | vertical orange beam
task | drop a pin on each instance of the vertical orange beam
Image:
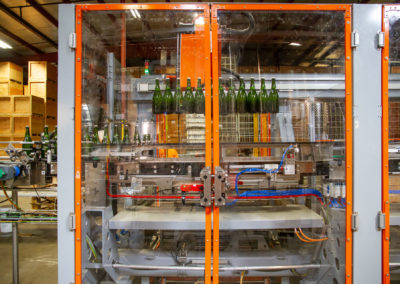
(207, 71)
(385, 148)
(349, 145)
(78, 135)
(215, 72)
(123, 66)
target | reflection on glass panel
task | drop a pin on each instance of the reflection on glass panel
(143, 146)
(394, 139)
(282, 146)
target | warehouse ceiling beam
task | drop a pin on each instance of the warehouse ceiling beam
(26, 24)
(43, 12)
(20, 40)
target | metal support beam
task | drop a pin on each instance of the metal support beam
(20, 40)
(43, 12)
(20, 20)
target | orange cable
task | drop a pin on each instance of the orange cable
(310, 239)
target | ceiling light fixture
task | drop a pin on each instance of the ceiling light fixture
(135, 13)
(295, 44)
(5, 45)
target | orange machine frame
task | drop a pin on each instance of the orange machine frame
(348, 103)
(385, 142)
(78, 114)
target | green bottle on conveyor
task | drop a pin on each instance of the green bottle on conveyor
(274, 97)
(168, 99)
(116, 139)
(45, 141)
(106, 136)
(95, 138)
(178, 98)
(188, 98)
(199, 102)
(231, 100)
(136, 136)
(157, 99)
(126, 139)
(55, 141)
(241, 98)
(27, 147)
(264, 99)
(252, 98)
(222, 98)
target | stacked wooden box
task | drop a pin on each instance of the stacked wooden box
(16, 109)
(42, 82)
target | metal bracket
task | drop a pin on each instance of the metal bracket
(72, 40)
(381, 39)
(381, 221)
(355, 221)
(206, 197)
(219, 186)
(71, 222)
(355, 39)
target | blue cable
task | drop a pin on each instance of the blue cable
(261, 170)
(393, 191)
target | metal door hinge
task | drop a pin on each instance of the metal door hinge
(381, 39)
(355, 39)
(72, 40)
(206, 197)
(219, 186)
(355, 221)
(381, 221)
(72, 221)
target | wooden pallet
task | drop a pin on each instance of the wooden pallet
(40, 71)
(11, 88)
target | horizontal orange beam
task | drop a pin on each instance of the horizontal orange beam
(283, 7)
(167, 6)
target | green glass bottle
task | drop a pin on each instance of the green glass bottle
(222, 98)
(86, 141)
(136, 135)
(27, 147)
(200, 100)
(264, 99)
(126, 139)
(274, 97)
(241, 98)
(168, 99)
(106, 136)
(55, 141)
(231, 99)
(116, 139)
(178, 98)
(95, 137)
(188, 98)
(157, 99)
(45, 141)
(252, 98)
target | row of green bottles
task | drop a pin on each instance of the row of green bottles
(45, 139)
(252, 102)
(176, 102)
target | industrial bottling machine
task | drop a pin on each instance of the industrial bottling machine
(214, 143)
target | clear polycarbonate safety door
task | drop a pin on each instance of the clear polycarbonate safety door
(390, 79)
(144, 146)
(280, 78)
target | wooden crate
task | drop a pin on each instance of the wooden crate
(51, 108)
(51, 122)
(34, 121)
(39, 71)
(44, 89)
(10, 72)
(28, 105)
(26, 91)
(6, 125)
(6, 105)
(10, 88)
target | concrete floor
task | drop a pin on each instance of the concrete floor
(37, 254)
